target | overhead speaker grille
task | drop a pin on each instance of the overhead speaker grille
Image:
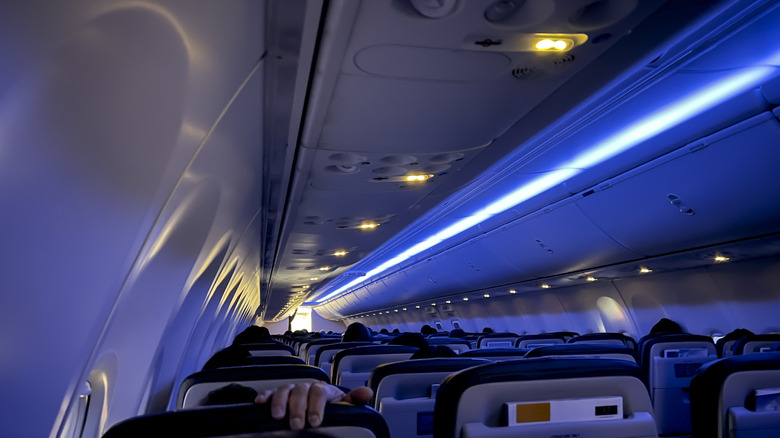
(524, 72)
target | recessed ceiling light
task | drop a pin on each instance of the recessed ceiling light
(465, 298)
(433, 304)
(314, 278)
(340, 253)
(552, 44)
(325, 268)
(721, 258)
(416, 307)
(448, 301)
(486, 295)
(591, 278)
(512, 291)
(404, 309)
(644, 270)
(395, 310)
(369, 225)
(418, 178)
(545, 286)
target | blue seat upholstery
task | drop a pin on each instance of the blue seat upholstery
(469, 403)
(196, 387)
(456, 344)
(756, 343)
(496, 354)
(539, 340)
(584, 350)
(604, 338)
(721, 393)
(309, 350)
(352, 367)
(275, 349)
(404, 392)
(340, 420)
(324, 355)
(670, 361)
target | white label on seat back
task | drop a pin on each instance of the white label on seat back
(686, 352)
(579, 409)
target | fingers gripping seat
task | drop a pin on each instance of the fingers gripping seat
(472, 402)
(405, 392)
(246, 420)
(737, 397)
(197, 386)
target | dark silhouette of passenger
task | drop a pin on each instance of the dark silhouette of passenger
(384, 331)
(229, 395)
(731, 336)
(356, 332)
(233, 356)
(396, 331)
(488, 330)
(431, 351)
(253, 335)
(427, 330)
(410, 340)
(666, 325)
(457, 333)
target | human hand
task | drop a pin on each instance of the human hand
(307, 400)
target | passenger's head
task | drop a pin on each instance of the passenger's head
(431, 352)
(253, 335)
(487, 330)
(457, 333)
(356, 332)
(396, 331)
(665, 325)
(233, 356)
(427, 330)
(384, 331)
(410, 340)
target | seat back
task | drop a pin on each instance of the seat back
(352, 367)
(276, 349)
(197, 386)
(496, 354)
(309, 350)
(604, 338)
(456, 344)
(340, 420)
(545, 397)
(405, 392)
(539, 340)
(584, 350)
(737, 396)
(323, 358)
(496, 340)
(756, 344)
(670, 361)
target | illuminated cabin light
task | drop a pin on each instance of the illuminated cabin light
(314, 278)
(465, 298)
(512, 291)
(369, 225)
(545, 286)
(486, 295)
(644, 270)
(395, 310)
(591, 278)
(547, 44)
(418, 178)
(325, 268)
(340, 253)
(433, 304)
(305, 286)
(448, 301)
(721, 258)
(416, 307)
(404, 309)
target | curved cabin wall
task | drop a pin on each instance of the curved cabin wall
(708, 300)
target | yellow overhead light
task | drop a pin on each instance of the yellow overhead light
(465, 298)
(314, 278)
(325, 268)
(416, 307)
(433, 304)
(591, 278)
(545, 286)
(305, 286)
(553, 44)
(644, 270)
(721, 258)
(486, 295)
(369, 225)
(448, 301)
(340, 253)
(418, 178)
(404, 309)
(512, 291)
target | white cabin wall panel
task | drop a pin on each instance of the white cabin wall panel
(596, 307)
(750, 292)
(725, 183)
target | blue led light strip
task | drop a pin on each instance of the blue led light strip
(617, 143)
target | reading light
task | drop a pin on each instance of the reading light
(395, 310)
(369, 225)
(305, 286)
(433, 304)
(620, 141)
(418, 178)
(314, 278)
(721, 258)
(644, 270)
(512, 291)
(591, 278)
(545, 286)
(325, 268)
(448, 301)
(404, 309)
(340, 253)
(547, 44)
(465, 298)
(486, 295)
(416, 307)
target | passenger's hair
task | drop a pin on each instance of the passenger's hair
(410, 340)
(666, 325)
(356, 332)
(384, 331)
(431, 351)
(253, 335)
(233, 356)
(427, 330)
(396, 331)
(488, 330)
(457, 333)
(731, 336)
(230, 394)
